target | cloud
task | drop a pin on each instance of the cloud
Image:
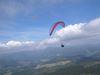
(93, 25)
(82, 35)
(16, 46)
(16, 43)
(70, 30)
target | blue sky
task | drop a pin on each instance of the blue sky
(32, 19)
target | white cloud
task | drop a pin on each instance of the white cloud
(13, 43)
(16, 43)
(93, 25)
(77, 35)
(70, 30)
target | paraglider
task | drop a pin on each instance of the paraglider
(61, 23)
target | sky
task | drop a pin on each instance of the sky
(25, 24)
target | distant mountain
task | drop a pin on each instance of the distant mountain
(47, 54)
(51, 61)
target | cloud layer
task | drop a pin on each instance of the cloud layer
(84, 35)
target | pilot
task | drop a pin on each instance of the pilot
(62, 45)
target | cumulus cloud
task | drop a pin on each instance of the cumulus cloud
(16, 43)
(77, 35)
(70, 30)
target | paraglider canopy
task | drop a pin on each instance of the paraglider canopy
(61, 23)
